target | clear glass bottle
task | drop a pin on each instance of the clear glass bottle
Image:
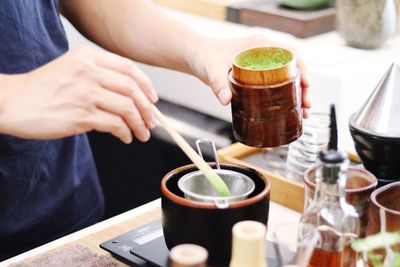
(335, 219)
(188, 255)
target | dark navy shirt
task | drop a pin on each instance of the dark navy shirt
(47, 188)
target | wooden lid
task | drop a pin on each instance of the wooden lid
(264, 66)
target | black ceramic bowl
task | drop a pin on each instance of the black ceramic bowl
(383, 182)
(186, 221)
(380, 155)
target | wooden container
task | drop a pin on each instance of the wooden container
(243, 74)
(266, 97)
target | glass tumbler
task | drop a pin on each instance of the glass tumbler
(294, 243)
(303, 153)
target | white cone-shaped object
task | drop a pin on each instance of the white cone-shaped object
(380, 115)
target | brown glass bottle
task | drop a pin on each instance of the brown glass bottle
(325, 258)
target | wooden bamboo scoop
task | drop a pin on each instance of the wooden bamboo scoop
(215, 180)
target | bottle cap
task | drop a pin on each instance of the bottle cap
(332, 161)
(188, 255)
(332, 156)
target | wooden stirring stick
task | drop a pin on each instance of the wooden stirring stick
(215, 180)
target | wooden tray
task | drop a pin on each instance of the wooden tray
(268, 13)
(283, 191)
(216, 9)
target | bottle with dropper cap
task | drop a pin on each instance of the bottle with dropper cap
(335, 219)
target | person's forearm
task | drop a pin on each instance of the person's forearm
(3, 92)
(8, 87)
(135, 29)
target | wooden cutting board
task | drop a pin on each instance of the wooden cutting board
(269, 14)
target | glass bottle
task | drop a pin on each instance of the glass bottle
(335, 219)
(248, 244)
(188, 255)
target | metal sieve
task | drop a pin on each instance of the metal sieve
(196, 186)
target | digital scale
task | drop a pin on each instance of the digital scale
(145, 246)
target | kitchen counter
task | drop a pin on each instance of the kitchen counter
(92, 236)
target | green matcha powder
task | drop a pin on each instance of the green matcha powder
(259, 60)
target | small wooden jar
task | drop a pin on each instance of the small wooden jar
(266, 101)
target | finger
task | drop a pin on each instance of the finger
(109, 123)
(124, 108)
(305, 113)
(127, 67)
(304, 77)
(143, 83)
(220, 87)
(306, 103)
(124, 85)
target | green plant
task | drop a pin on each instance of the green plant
(381, 241)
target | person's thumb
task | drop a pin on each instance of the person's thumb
(221, 89)
(224, 95)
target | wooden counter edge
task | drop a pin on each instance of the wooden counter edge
(152, 209)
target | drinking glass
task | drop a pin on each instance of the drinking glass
(303, 153)
(294, 243)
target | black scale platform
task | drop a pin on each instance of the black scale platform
(145, 246)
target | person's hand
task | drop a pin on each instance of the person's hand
(212, 60)
(82, 90)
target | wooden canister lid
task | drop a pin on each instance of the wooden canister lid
(264, 66)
